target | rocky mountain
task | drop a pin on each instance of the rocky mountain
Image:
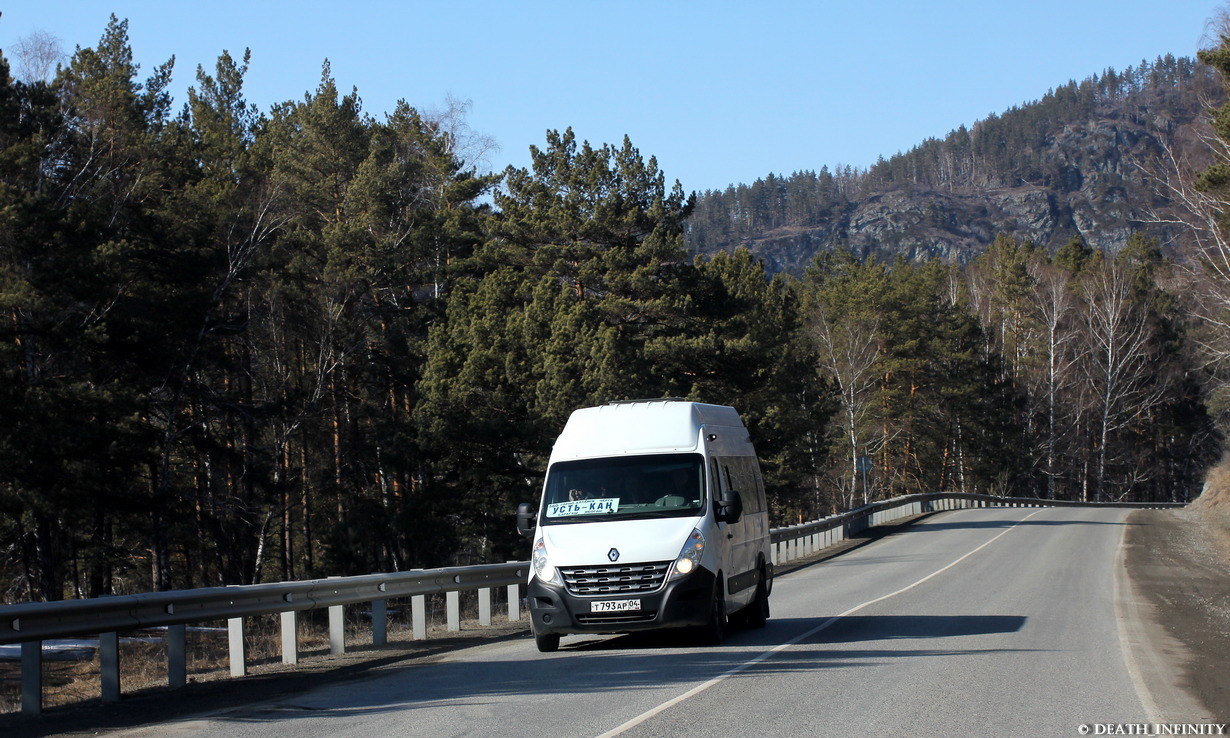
(1075, 163)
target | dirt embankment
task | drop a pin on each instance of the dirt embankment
(1179, 562)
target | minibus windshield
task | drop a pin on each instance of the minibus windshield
(624, 488)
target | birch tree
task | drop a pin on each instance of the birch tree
(1118, 368)
(845, 325)
(1195, 177)
(1053, 305)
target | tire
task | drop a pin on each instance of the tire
(757, 613)
(547, 642)
(714, 632)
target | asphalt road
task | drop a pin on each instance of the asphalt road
(990, 622)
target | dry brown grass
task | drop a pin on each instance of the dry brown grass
(143, 656)
(1213, 506)
(1216, 493)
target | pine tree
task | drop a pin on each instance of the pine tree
(844, 303)
(743, 346)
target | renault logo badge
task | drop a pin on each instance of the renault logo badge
(613, 554)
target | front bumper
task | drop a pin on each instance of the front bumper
(679, 604)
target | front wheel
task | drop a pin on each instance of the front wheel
(714, 632)
(758, 611)
(547, 642)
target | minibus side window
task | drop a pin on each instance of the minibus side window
(759, 492)
(738, 468)
(742, 474)
(750, 479)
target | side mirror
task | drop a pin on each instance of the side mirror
(729, 507)
(526, 519)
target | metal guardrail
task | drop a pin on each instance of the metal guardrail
(31, 623)
(45, 620)
(795, 541)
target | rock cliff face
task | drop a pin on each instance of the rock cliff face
(1053, 170)
(1102, 196)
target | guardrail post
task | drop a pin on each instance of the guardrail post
(337, 630)
(484, 606)
(177, 656)
(109, 665)
(453, 600)
(380, 615)
(234, 634)
(290, 637)
(32, 678)
(514, 603)
(418, 616)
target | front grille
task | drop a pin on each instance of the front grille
(615, 579)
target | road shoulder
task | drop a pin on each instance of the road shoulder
(1173, 586)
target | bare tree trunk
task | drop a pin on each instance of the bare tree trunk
(1118, 367)
(1053, 305)
(849, 349)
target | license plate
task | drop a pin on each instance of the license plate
(615, 606)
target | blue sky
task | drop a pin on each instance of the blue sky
(720, 92)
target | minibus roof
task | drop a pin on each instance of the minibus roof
(642, 426)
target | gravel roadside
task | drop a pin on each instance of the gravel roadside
(1179, 565)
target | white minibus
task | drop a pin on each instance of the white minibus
(652, 516)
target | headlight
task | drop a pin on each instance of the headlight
(542, 568)
(690, 556)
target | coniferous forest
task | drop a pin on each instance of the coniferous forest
(240, 346)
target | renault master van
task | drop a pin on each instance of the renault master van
(652, 516)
